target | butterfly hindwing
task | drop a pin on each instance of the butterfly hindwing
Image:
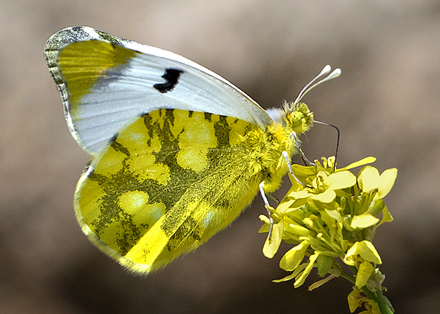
(167, 183)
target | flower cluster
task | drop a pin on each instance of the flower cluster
(330, 216)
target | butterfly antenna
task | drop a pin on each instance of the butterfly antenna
(337, 139)
(312, 84)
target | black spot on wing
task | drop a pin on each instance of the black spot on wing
(120, 148)
(208, 116)
(171, 77)
(113, 138)
(148, 122)
(222, 130)
(169, 116)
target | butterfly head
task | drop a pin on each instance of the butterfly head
(296, 115)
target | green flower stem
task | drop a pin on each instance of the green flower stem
(383, 302)
(378, 297)
(348, 277)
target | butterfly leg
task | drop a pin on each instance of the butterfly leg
(289, 166)
(269, 208)
(301, 153)
(305, 159)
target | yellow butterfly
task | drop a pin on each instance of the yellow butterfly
(177, 151)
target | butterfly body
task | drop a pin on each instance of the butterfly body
(177, 151)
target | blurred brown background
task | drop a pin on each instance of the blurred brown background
(386, 104)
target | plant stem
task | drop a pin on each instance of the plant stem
(348, 277)
(384, 304)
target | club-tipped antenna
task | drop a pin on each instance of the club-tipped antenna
(312, 83)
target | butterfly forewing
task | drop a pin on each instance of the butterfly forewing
(106, 81)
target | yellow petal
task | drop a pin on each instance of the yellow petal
(296, 229)
(335, 215)
(364, 272)
(354, 299)
(284, 205)
(326, 197)
(295, 273)
(303, 276)
(368, 179)
(273, 243)
(386, 182)
(340, 180)
(264, 228)
(293, 257)
(366, 160)
(386, 216)
(366, 250)
(363, 221)
(299, 194)
(287, 278)
(319, 283)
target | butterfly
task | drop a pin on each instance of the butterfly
(177, 152)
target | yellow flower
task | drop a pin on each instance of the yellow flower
(356, 299)
(330, 216)
(323, 186)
